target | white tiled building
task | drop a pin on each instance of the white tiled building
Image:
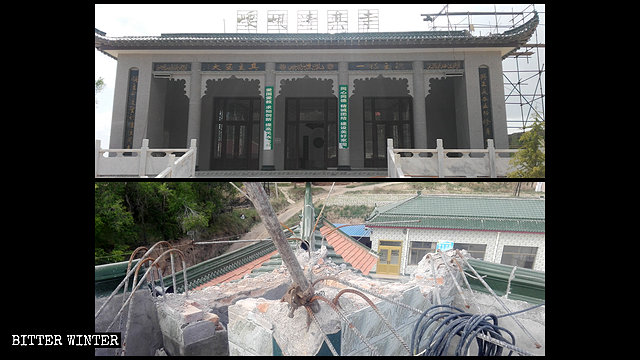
(497, 229)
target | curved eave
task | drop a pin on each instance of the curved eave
(514, 39)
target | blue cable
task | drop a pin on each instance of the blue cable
(466, 326)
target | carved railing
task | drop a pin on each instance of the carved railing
(441, 162)
(145, 162)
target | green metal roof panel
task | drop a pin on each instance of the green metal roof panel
(463, 212)
(527, 285)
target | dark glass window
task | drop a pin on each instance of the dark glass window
(475, 250)
(521, 256)
(386, 118)
(419, 249)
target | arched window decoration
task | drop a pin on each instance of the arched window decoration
(130, 115)
(485, 103)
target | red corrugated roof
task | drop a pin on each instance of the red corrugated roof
(351, 251)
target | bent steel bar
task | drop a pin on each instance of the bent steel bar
(126, 278)
(375, 308)
(147, 272)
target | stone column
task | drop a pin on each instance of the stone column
(419, 109)
(142, 102)
(344, 158)
(119, 110)
(270, 80)
(195, 106)
(193, 127)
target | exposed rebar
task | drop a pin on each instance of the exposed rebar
(351, 326)
(375, 308)
(536, 343)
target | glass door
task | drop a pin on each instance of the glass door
(236, 140)
(310, 133)
(390, 257)
(386, 118)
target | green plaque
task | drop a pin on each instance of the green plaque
(268, 118)
(343, 117)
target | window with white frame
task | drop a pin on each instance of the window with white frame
(475, 250)
(521, 256)
(419, 249)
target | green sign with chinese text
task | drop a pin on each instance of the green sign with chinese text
(268, 118)
(343, 117)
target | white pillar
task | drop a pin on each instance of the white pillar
(419, 108)
(195, 106)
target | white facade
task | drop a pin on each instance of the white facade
(494, 241)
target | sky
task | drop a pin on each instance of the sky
(150, 19)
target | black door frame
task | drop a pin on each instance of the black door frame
(289, 163)
(235, 163)
(376, 162)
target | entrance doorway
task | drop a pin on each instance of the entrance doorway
(386, 117)
(390, 254)
(236, 139)
(310, 133)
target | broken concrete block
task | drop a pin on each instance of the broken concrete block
(190, 314)
(211, 317)
(263, 307)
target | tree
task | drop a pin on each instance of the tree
(99, 86)
(132, 214)
(529, 160)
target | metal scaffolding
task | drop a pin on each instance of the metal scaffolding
(523, 70)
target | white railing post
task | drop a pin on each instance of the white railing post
(440, 151)
(172, 164)
(391, 164)
(97, 157)
(492, 158)
(193, 157)
(144, 151)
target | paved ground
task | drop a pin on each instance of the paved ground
(289, 174)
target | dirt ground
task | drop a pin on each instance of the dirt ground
(197, 253)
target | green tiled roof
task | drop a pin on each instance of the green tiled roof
(463, 212)
(515, 38)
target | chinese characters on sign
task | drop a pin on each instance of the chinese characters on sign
(444, 65)
(310, 66)
(485, 103)
(171, 66)
(237, 66)
(130, 116)
(247, 21)
(268, 118)
(343, 117)
(390, 65)
(277, 21)
(444, 245)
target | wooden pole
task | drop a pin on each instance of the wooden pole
(261, 202)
